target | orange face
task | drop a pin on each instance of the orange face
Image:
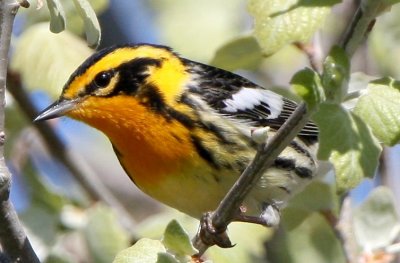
(146, 148)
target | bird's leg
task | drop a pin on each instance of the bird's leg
(210, 235)
(270, 217)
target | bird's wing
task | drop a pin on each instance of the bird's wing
(238, 98)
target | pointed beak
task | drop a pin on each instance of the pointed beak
(57, 109)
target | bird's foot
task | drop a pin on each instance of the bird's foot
(270, 217)
(210, 235)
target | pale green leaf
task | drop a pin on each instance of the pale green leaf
(313, 240)
(57, 16)
(249, 240)
(336, 75)
(359, 81)
(249, 247)
(196, 29)
(384, 43)
(99, 6)
(55, 258)
(74, 22)
(42, 218)
(154, 226)
(376, 222)
(241, 53)
(306, 199)
(377, 7)
(379, 107)
(348, 143)
(307, 84)
(281, 22)
(46, 60)
(105, 237)
(92, 26)
(41, 224)
(177, 240)
(164, 257)
(144, 251)
(392, 2)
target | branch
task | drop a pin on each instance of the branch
(73, 162)
(12, 236)
(223, 215)
(264, 158)
(361, 24)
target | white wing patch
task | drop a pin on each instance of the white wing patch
(248, 98)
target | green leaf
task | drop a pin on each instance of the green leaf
(250, 240)
(379, 107)
(57, 16)
(376, 8)
(105, 237)
(241, 53)
(166, 258)
(376, 222)
(305, 203)
(306, 199)
(74, 22)
(348, 143)
(92, 26)
(50, 67)
(144, 251)
(281, 22)
(336, 75)
(383, 43)
(177, 240)
(311, 241)
(391, 2)
(249, 248)
(43, 225)
(54, 258)
(43, 216)
(307, 84)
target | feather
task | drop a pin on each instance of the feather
(237, 98)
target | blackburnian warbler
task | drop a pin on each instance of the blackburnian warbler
(182, 129)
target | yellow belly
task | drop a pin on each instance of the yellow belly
(192, 190)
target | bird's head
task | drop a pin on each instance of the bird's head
(120, 77)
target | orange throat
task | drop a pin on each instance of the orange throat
(148, 145)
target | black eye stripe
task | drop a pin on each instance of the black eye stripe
(130, 75)
(100, 81)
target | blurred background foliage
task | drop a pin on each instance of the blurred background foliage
(63, 222)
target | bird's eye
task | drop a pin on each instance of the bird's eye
(103, 79)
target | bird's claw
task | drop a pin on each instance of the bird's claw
(210, 235)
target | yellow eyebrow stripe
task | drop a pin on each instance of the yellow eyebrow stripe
(170, 77)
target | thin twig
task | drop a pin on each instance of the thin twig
(82, 172)
(13, 239)
(344, 230)
(223, 215)
(361, 24)
(313, 53)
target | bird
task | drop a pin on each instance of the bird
(181, 129)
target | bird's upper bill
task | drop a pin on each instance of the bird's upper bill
(57, 109)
